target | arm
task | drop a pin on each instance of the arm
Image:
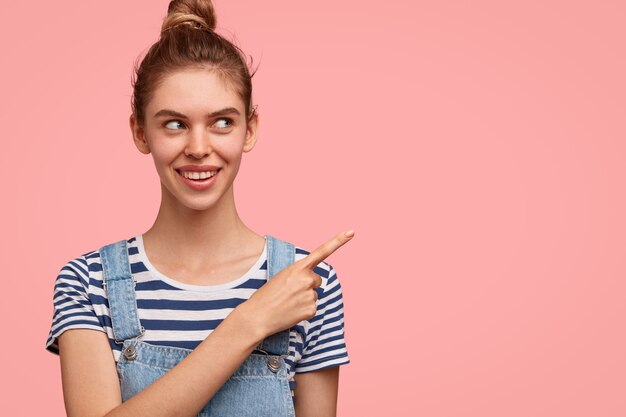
(316, 393)
(91, 385)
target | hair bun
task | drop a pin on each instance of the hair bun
(196, 13)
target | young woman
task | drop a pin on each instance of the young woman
(199, 315)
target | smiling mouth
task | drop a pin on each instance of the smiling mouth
(197, 176)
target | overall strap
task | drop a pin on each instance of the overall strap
(120, 288)
(280, 254)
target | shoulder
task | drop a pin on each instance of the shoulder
(83, 266)
(75, 272)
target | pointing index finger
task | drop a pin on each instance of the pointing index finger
(326, 249)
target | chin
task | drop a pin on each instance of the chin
(199, 205)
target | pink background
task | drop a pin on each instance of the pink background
(476, 148)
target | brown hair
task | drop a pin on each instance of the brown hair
(188, 40)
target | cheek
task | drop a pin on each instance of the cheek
(164, 152)
(229, 148)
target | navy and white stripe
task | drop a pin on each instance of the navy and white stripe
(183, 315)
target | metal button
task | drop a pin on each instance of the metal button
(273, 363)
(130, 353)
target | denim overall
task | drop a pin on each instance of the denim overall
(258, 388)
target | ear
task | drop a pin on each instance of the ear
(138, 135)
(251, 131)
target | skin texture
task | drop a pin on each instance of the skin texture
(316, 392)
(191, 224)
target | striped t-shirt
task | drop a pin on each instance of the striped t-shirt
(183, 315)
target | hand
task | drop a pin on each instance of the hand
(290, 296)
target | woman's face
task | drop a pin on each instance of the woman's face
(195, 122)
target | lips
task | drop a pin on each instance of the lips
(192, 179)
(197, 172)
(198, 176)
(197, 168)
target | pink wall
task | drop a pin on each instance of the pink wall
(476, 148)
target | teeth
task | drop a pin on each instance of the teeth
(198, 175)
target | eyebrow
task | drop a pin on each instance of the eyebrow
(173, 113)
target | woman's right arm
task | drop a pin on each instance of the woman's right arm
(91, 387)
(90, 383)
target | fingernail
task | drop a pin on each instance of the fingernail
(350, 233)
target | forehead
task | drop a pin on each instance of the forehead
(195, 90)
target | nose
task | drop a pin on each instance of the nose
(198, 144)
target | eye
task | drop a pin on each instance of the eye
(174, 125)
(223, 123)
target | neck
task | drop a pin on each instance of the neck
(199, 236)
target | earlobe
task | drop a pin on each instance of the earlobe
(251, 132)
(138, 135)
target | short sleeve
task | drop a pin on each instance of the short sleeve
(324, 342)
(72, 307)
